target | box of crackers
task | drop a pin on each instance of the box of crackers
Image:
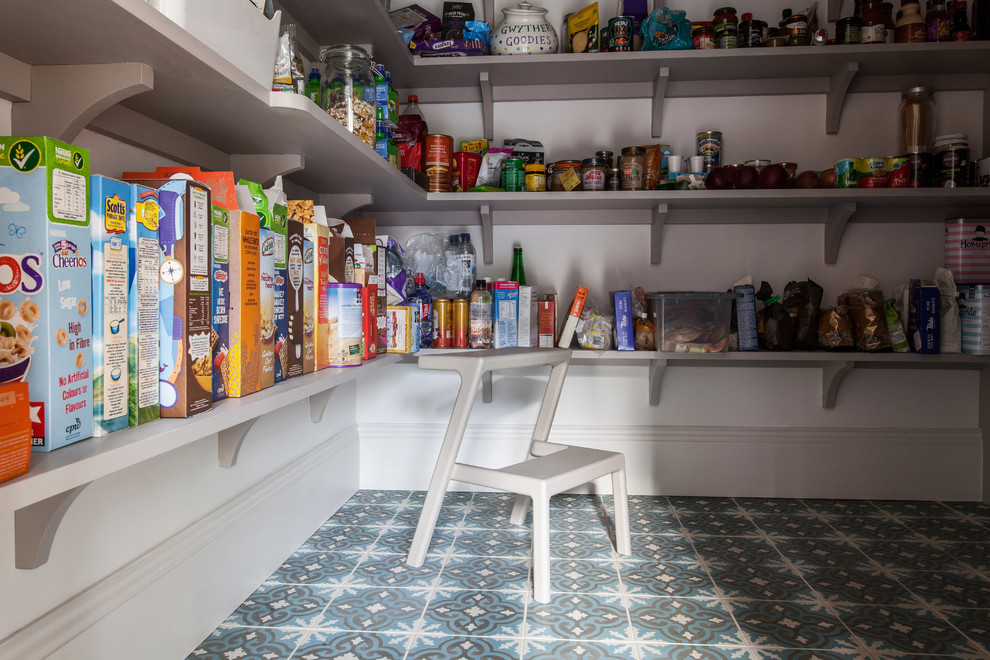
(46, 285)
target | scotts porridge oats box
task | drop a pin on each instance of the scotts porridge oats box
(46, 286)
(111, 255)
(142, 307)
(186, 364)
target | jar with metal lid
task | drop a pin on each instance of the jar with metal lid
(751, 32)
(613, 179)
(847, 30)
(513, 174)
(703, 37)
(564, 175)
(605, 155)
(726, 25)
(795, 28)
(632, 168)
(346, 74)
(593, 173)
(917, 120)
(873, 30)
(951, 161)
(536, 177)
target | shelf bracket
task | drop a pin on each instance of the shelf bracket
(837, 87)
(657, 368)
(487, 109)
(835, 226)
(832, 374)
(65, 98)
(656, 232)
(487, 233)
(263, 168)
(659, 93)
(35, 526)
(229, 442)
(318, 405)
(486, 387)
(338, 206)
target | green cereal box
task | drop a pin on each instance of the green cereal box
(108, 227)
(45, 285)
(142, 308)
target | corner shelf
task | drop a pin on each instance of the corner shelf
(41, 497)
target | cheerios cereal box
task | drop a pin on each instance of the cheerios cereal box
(185, 381)
(142, 326)
(45, 285)
(108, 214)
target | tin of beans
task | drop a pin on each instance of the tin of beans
(620, 31)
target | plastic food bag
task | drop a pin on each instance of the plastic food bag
(478, 31)
(950, 330)
(396, 279)
(869, 324)
(835, 329)
(803, 299)
(666, 29)
(490, 173)
(425, 254)
(288, 75)
(898, 339)
(644, 330)
(594, 329)
(774, 322)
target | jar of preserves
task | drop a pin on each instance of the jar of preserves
(795, 28)
(536, 177)
(887, 11)
(726, 25)
(951, 161)
(513, 174)
(564, 175)
(752, 33)
(703, 37)
(593, 174)
(632, 168)
(346, 74)
(873, 30)
(847, 30)
(917, 120)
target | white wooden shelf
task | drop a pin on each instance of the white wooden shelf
(41, 497)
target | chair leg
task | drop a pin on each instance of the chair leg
(518, 515)
(427, 522)
(620, 500)
(541, 549)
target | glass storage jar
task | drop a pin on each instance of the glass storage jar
(917, 120)
(726, 24)
(557, 172)
(632, 168)
(536, 177)
(347, 83)
(593, 173)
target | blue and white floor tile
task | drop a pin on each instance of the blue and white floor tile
(708, 578)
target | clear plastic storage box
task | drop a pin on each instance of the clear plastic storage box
(691, 321)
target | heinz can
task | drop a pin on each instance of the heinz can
(620, 31)
(461, 323)
(439, 150)
(710, 146)
(442, 334)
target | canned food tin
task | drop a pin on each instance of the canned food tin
(951, 161)
(461, 323)
(620, 31)
(536, 178)
(919, 172)
(875, 166)
(900, 172)
(710, 146)
(845, 173)
(513, 174)
(438, 152)
(442, 330)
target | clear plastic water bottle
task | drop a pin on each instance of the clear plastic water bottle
(469, 265)
(452, 265)
(421, 297)
(481, 316)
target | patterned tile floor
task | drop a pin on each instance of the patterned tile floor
(708, 578)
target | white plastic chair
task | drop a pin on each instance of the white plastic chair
(550, 468)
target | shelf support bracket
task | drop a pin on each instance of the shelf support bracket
(832, 374)
(487, 233)
(487, 109)
(837, 87)
(229, 442)
(659, 93)
(65, 98)
(318, 404)
(835, 226)
(263, 168)
(656, 232)
(657, 368)
(35, 526)
(486, 387)
(338, 206)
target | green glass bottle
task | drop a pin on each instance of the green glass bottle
(518, 272)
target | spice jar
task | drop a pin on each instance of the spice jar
(565, 175)
(536, 177)
(726, 25)
(847, 30)
(593, 173)
(632, 168)
(795, 28)
(345, 76)
(951, 161)
(703, 37)
(917, 115)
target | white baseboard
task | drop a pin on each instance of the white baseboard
(162, 604)
(856, 463)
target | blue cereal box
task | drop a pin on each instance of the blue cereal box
(505, 314)
(974, 312)
(622, 306)
(184, 306)
(108, 214)
(142, 305)
(220, 300)
(278, 223)
(46, 288)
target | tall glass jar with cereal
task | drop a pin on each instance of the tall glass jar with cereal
(348, 90)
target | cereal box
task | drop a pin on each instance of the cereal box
(220, 300)
(267, 300)
(294, 303)
(369, 319)
(184, 312)
(142, 305)
(340, 257)
(974, 313)
(277, 223)
(15, 430)
(46, 286)
(111, 254)
(401, 329)
(309, 307)
(318, 233)
(243, 368)
(344, 324)
(221, 184)
(505, 314)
